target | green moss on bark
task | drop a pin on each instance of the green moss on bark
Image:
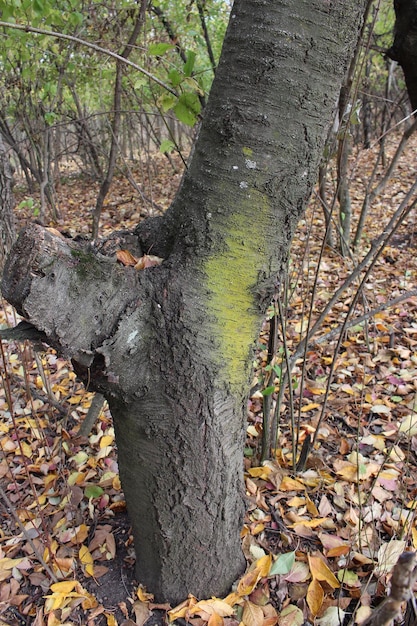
(231, 278)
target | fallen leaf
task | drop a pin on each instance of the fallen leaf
(320, 571)
(252, 614)
(332, 616)
(148, 260)
(388, 555)
(141, 611)
(126, 258)
(291, 616)
(315, 597)
(291, 484)
(248, 582)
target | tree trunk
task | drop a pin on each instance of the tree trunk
(404, 48)
(7, 229)
(170, 346)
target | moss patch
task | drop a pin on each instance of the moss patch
(88, 267)
(231, 277)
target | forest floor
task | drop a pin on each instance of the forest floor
(320, 543)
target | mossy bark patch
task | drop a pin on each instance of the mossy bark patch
(232, 275)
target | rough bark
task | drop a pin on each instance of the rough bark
(170, 346)
(7, 228)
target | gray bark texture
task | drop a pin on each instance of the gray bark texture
(7, 229)
(170, 346)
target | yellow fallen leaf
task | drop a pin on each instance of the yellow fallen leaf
(309, 407)
(311, 507)
(81, 533)
(26, 449)
(179, 612)
(313, 523)
(8, 564)
(214, 605)
(348, 472)
(106, 440)
(89, 602)
(291, 484)
(248, 582)
(320, 571)
(233, 598)
(315, 597)
(143, 595)
(264, 565)
(86, 559)
(66, 586)
(258, 528)
(260, 472)
(296, 501)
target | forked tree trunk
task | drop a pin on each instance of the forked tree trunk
(170, 346)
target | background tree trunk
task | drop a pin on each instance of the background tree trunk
(7, 227)
(170, 346)
(404, 48)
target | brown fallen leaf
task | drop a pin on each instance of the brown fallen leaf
(126, 258)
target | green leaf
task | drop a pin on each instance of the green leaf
(167, 101)
(283, 564)
(38, 6)
(158, 49)
(166, 146)
(189, 64)
(277, 370)
(396, 398)
(75, 18)
(93, 491)
(140, 81)
(187, 108)
(268, 390)
(347, 577)
(174, 77)
(81, 457)
(50, 117)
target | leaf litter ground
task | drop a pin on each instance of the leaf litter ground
(319, 544)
